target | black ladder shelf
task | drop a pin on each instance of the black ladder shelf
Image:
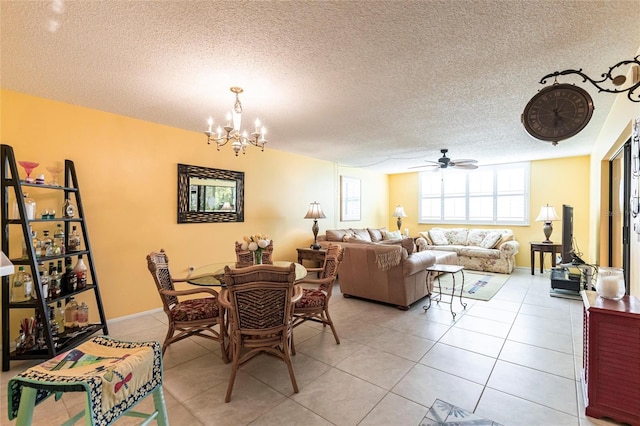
(10, 181)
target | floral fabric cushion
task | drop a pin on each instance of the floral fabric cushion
(457, 236)
(490, 240)
(311, 299)
(438, 238)
(476, 236)
(195, 309)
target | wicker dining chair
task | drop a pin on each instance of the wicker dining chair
(189, 317)
(259, 301)
(314, 304)
(244, 258)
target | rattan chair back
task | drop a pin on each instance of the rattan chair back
(259, 300)
(158, 264)
(244, 258)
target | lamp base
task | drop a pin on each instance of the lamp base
(547, 229)
(315, 246)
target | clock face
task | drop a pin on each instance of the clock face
(557, 112)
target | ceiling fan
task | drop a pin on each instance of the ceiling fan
(445, 162)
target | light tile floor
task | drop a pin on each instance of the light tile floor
(515, 359)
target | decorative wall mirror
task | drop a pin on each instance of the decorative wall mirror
(209, 195)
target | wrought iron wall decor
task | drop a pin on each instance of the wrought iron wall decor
(608, 77)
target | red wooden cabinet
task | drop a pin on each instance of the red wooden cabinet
(611, 357)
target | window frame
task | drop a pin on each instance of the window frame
(524, 166)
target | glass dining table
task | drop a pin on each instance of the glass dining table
(212, 275)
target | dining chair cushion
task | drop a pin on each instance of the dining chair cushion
(311, 298)
(195, 309)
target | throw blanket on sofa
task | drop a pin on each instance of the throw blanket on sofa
(388, 256)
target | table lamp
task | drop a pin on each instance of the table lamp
(399, 213)
(547, 215)
(315, 213)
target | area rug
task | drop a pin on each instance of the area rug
(477, 285)
(445, 414)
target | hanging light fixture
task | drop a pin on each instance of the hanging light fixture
(231, 132)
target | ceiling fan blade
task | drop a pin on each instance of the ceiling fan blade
(427, 167)
(464, 166)
(459, 161)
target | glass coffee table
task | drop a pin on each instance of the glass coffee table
(447, 269)
(212, 275)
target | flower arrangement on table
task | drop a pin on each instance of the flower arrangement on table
(256, 243)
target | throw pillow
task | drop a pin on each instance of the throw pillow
(395, 235)
(335, 234)
(504, 237)
(425, 235)
(409, 245)
(490, 240)
(438, 237)
(376, 234)
(363, 234)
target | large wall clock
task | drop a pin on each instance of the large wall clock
(557, 112)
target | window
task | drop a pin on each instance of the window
(350, 200)
(490, 195)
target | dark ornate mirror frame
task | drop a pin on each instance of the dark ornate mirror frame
(185, 172)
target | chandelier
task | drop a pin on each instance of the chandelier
(231, 132)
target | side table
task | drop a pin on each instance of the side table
(543, 248)
(311, 255)
(447, 269)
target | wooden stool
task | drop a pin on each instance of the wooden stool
(115, 375)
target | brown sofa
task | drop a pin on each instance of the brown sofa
(389, 271)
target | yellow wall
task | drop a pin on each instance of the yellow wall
(127, 172)
(549, 185)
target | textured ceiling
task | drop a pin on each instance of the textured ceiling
(381, 84)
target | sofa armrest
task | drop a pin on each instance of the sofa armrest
(417, 262)
(509, 248)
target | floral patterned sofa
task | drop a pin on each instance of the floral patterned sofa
(490, 250)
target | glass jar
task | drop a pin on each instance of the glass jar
(29, 207)
(610, 283)
(22, 286)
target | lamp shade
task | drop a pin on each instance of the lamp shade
(547, 214)
(399, 212)
(315, 211)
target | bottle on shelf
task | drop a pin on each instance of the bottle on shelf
(40, 339)
(22, 286)
(68, 208)
(81, 273)
(71, 314)
(83, 315)
(47, 244)
(58, 240)
(44, 281)
(74, 240)
(21, 342)
(69, 280)
(55, 282)
(59, 314)
(53, 323)
(37, 244)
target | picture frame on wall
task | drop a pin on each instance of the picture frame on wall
(349, 198)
